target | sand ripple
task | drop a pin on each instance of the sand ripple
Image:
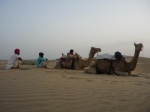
(72, 91)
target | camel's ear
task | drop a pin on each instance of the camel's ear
(134, 44)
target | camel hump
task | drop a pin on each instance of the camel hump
(106, 56)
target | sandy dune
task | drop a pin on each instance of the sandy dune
(51, 90)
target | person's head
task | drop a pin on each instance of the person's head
(71, 51)
(41, 54)
(17, 51)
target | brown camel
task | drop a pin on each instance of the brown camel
(79, 62)
(119, 67)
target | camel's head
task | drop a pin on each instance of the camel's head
(95, 50)
(138, 47)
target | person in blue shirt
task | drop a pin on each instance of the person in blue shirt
(41, 62)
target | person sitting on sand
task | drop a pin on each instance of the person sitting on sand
(41, 62)
(71, 56)
(15, 61)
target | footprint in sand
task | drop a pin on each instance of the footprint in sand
(89, 80)
(63, 76)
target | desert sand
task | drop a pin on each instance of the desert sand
(55, 90)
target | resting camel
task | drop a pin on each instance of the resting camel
(79, 62)
(107, 66)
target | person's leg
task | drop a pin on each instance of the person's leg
(44, 64)
(16, 64)
(72, 66)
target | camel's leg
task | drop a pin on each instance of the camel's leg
(129, 73)
(134, 75)
(92, 69)
(121, 73)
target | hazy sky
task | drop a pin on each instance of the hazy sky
(56, 26)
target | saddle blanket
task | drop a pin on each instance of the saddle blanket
(106, 56)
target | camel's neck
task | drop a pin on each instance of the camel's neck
(89, 60)
(134, 60)
(91, 55)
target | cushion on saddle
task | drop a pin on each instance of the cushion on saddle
(63, 59)
(106, 56)
(118, 55)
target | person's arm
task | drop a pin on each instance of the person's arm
(17, 57)
(43, 59)
(20, 58)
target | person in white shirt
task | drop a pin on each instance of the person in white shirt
(71, 56)
(14, 61)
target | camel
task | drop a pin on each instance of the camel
(79, 62)
(119, 67)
